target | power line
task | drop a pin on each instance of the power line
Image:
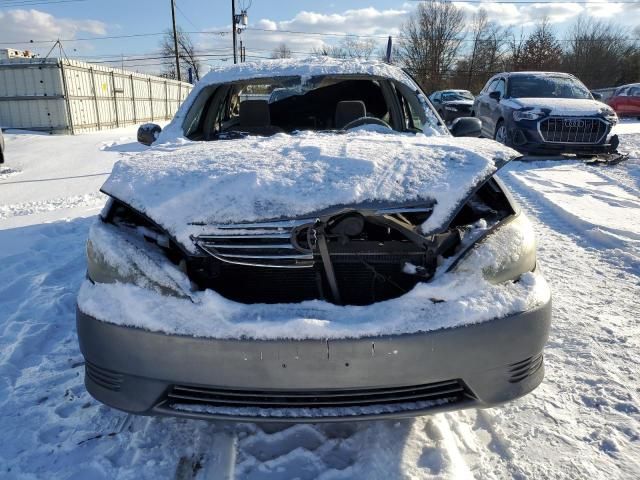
(28, 3)
(530, 2)
(111, 37)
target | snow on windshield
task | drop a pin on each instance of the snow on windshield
(547, 86)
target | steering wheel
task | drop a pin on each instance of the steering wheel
(358, 122)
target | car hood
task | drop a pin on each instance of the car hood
(459, 102)
(189, 188)
(558, 106)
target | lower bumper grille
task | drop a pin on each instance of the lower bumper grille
(521, 370)
(451, 391)
(103, 377)
(573, 130)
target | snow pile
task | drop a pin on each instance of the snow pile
(450, 300)
(256, 178)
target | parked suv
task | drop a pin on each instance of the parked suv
(332, 254)
(626, 101)
(545, 113)
(452, 104)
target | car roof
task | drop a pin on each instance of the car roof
(533, 74)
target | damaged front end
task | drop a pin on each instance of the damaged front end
(347, 255)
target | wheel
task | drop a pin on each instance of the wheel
(501, 133)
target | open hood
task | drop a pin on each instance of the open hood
(189, 188)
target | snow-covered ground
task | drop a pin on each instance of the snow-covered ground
(583, 422)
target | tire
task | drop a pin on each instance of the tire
(500, 134)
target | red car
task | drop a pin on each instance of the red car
(626, 101)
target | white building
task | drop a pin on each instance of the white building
(10, 53)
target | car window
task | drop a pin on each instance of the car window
(492, 85)
(500, 87)
(634, 92)
(436, 97)
(487, 86)
(456, 96)
(548, 86)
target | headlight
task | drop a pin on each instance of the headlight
(113, 256)
(504, 254)
(450, 108)
(527, 115)
(609, 115)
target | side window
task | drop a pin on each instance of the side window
(634, 92)
(500, 87)
(436, 97)
(487, 87)
(623, 92)
(492, 86)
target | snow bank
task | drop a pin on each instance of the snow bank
(257, 178)
(450, 300)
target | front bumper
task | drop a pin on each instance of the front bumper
(149, 373)
(525, 137)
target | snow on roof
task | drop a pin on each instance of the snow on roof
(284, 176)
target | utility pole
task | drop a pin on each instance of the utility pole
(175, 39)
(233, 27)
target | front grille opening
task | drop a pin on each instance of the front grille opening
(451, 391)
(573, 130)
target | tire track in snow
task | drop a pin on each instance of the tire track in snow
(90, 200)
(585, 415)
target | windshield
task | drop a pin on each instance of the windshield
(546, 87)
(268, 106)
(454, 96)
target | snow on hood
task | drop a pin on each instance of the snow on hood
(458, 102)
(559, 106)
(305, 68)
(284, 176)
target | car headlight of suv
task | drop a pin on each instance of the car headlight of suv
(527, 115)
(609, 115)
(504, 254)
(451, 108)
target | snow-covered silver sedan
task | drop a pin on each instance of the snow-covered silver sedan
(328, 253)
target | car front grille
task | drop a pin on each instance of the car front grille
(451, 391)
(573, 130)
(265, 244)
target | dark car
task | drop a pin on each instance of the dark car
(452, 104)
(545, 113)
(626, 101)
(1, 147)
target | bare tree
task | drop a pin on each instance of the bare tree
(281, 51)
(186, 52)
(542, 51)
(349, 47)
(488, 44)
(597, 53)
(431, 42)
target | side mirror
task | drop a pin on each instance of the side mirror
(597, 96)
(495, 95)
(148, 133)
(466, 127)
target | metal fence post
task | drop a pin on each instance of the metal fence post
(133, 99)
(115, 98)
(166, 101)
(151, 98)
(66, 97)
(95, 97)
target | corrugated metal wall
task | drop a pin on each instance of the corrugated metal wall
(66, 96)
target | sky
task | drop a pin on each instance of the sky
(270, 23)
